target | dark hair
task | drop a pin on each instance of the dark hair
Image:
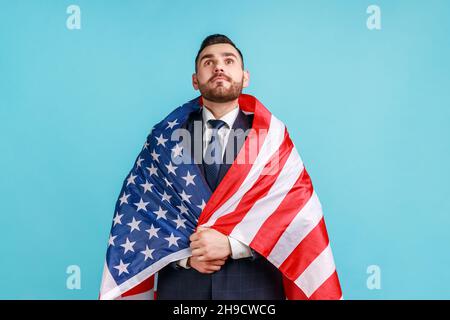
(216, 39)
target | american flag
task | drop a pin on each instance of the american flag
(266, 200)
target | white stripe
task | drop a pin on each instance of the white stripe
(317, 272)
(108, 284)
(147, 295)
(308, 217)
(272, 142)
(263, 208)
(110, 293)
(155, 285)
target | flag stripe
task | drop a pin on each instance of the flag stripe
(117, 290)
(272, 229)
(109, 289)
(146, 295)
(292, 291)
(329, 290)
(271, 144)
(306, 251)
(262, 186)
(317, 272)
(143, 287)
(264, 207)
(308, 217)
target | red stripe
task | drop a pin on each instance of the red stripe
(272, 229)
(142, 287)
(241, 166)
(306, 251)
(292, 291)
(329, 290)
(262, 186)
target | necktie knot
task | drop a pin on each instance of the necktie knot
(216, 124)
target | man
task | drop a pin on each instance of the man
(220, 267)
(216, 210)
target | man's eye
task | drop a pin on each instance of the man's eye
(207, 63)
(229, 61)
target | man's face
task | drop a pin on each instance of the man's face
(219, 75)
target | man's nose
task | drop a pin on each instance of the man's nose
(218, 68)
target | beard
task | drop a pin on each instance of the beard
(219, 93)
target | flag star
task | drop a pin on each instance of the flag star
(183, 209)
(131, 179)
(139, 161)
(177, 150)
(146, 144)
(152, 169)
(134, 225)
(180, 222)
(160, 214)
(185, 196)
(161, 140)
(172, 240)
(152, 232)
(147, 253)
(117, 218)
(155, 155)
(166, 197)
(147, 186)
(128, 246)
(111, 240)
(124, 198)
(203, 205)
(168, 183)
(141, 205)
(170, 125)
(122, 267)
(171, 168)
(189, 179)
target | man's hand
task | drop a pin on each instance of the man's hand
(206, 266)
(208, 244)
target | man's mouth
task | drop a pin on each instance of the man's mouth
(219, 78)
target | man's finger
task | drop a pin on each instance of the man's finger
(214, 268)
(212, 263)
(197, 252)
(218, 262)
(201, 258)
(194, 237)
(201, 228)
(195, 244)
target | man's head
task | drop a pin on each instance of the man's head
(219, 70)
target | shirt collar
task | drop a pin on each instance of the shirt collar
(228, 118)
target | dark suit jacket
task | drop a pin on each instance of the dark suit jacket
(248, 278)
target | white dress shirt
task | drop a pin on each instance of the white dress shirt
(238, 249)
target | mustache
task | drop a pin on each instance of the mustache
(219, 76)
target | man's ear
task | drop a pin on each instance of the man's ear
(195, 81)
(246, 80)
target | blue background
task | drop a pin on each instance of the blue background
(368, 110)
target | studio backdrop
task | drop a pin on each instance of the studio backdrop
(362, 85)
